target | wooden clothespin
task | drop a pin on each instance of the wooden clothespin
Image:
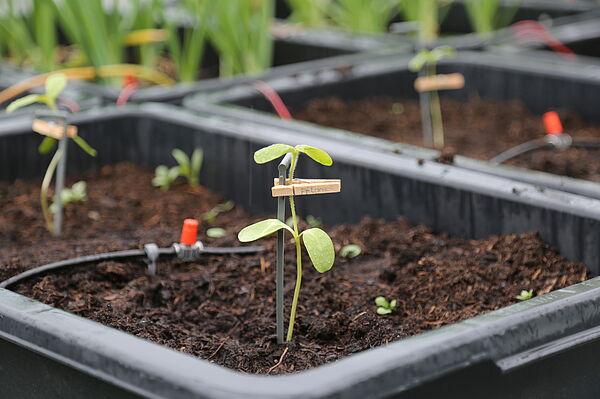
(53, 130)
(452, 81)
(306, 187)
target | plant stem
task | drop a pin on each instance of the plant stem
(298, 254)
(44, 189)
(436, 113)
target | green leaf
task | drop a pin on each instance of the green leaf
(350, 251)
(393, 304)
(382, 302)
(85, 146)
(262, 229)
(319, 248)
(215, 232)
(55, 84)
(439, 53)
(316, 154)
(271, 152)
(47, 144)
(196, 164)
(418, 61)
(383, 311)
(183, 161)
(22, 102)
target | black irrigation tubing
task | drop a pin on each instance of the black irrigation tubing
(131, 253)
(538, 145)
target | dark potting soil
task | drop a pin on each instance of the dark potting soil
(476, 128)
(221, 308)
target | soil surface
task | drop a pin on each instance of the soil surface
(477, 128)
(221, 308)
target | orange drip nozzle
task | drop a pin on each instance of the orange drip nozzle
(189, 232)
(552, 123)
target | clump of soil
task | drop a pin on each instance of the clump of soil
(476, 128)
(221, 308)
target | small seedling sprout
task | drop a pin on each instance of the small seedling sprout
(211, 216)
(350, 251)
(215, 232)
(525, 295)
(383, 306)
(317, 243)
(77, 193)
(188, 168)
(426, 60)
(54, 85)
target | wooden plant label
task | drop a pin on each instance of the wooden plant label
(53, 130)
(451, 81)
(306, 187)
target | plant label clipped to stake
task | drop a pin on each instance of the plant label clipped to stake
(452, 81)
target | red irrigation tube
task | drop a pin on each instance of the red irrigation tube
(530, 28)
(274, 98)
(130, 86)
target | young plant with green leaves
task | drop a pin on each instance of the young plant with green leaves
(525, 295)
(371, 16)
(384, 307)
(240, 32)
(54, 85)
(77, 193)
(211, 216)
(311, 13)
(187, 50)
(426, 60)
(428, 14)
(317, 243)
(487, 16)
(190, 167)
(28, 33)
(187, 167)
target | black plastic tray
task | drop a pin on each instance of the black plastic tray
(540, 85)
(525, 350)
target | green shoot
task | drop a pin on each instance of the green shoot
(54, 85)
(239, 31)
(29, 35)
(211, 216)
(314, 221)
(164, 177)
(312, 13)
(215, 232)
(486, 16)
(189, 168)
(428, 13)
(317, 243)
(363, 16)
(384, 307)
(427, 60)
(350, 251)
(525, 295)
(77, 193)
(187, 52)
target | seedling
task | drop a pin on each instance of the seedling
(312, 13)
(77, 193)
(164, 177)
(189, 168)
(431, 112)
(54, 132)
(317, 243)
(383, 306)
(350, 251)
(211, 215)
(525, 295)
(314, 221)
(486, 16)
(215, 232)
(363, 16)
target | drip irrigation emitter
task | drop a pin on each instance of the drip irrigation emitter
(188, 249)
(555, 138)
